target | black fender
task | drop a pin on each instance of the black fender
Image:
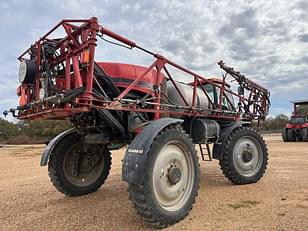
(52, 144)
(225, 132)
(133, 165)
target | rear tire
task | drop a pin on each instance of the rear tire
(171, 179)
(285, 135)
(75, 172)
(244, 156)
(291, 136)
(305, 134)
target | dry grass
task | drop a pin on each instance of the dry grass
(244, 204)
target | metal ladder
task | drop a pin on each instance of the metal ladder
(205, 151)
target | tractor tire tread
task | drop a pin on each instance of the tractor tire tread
(225, 162)
(137, 194)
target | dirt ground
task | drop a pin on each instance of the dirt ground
(279, 201)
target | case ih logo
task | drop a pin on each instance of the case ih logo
(138, 151)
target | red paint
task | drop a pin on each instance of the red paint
(130, 72)
(304, 125)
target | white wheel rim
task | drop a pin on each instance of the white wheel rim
(247, 156)
(172, 192)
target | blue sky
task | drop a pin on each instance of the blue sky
(266, 40)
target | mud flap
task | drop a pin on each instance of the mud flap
(137, 152)
(51, 145)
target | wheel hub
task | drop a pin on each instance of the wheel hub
(174, 175)
(89, 161)
(83, 166)
(247, 156)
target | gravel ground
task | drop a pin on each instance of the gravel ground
(279, 201)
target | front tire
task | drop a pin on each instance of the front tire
(171, 179)
(244, 156)
(75, 169)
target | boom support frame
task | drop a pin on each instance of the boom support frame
(76, 52)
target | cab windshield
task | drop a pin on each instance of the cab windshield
(214, 93)
(298, 120)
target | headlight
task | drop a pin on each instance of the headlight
(27, 71)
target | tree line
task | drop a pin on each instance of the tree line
(44, 130)
(273, 123)
(38, 131)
